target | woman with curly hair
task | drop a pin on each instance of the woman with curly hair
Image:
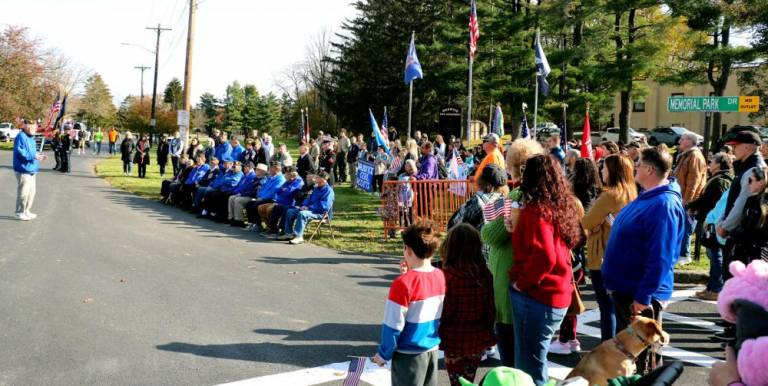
(500, 253)
(542, 237)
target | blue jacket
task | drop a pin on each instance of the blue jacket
(320, 200)
(270, 186)
(24, 154)
(230, 181)
(237, 152)
(175, 148)
(252, 190)
(197, 173)
(644, 245)
(245, 183)
(223, 151)
(286, 192)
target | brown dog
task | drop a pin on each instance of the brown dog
(616, 357)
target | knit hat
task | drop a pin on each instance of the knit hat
(502, 376)
(748, 283)
(494, 175)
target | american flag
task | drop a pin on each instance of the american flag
(396, 164)
(474, 30)
(385, 126)
(355, 371)
(493, 210)
(524, 132)
(55, 108)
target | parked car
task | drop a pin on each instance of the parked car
(612, 134)
(670, 135)
(8, 132)
(763, 132)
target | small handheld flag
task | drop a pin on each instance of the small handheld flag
(377, 132)
(493, 210)
(355, 371)
(542, 67)
(524, 132)
(385, 126)
(412, 65)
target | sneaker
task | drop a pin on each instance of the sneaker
(286, 237)
(204, 213)
(559, 348)
(31, 215)
(711, 296)
(700, 293)
(267, 234)
(297, 241)
(17, 215)
(24, 217)
(683, 260)
(575, 345)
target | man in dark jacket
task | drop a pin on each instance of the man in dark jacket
(304, 164)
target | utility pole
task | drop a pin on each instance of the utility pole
(142, 68)
(153, 120)
(188, 68)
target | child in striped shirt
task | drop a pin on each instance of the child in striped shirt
(409, 334)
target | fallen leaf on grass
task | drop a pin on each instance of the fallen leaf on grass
(88, 300)
(122, 280)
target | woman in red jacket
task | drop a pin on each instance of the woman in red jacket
(540, 288)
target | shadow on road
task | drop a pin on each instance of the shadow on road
(303, 355)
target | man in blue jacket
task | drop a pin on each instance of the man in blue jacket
(638, 267)
(246, 193)
(223, 149)
(218, 200)
(215, 183)
(26, 166)
(175, 148)
(284, 200)
(237, 149)
(267, 193)
(223, 185)
(314, 207)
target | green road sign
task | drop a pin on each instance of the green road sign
(714, 104)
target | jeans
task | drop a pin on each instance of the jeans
(605, 304)
(535, 324)
(97, 149)
(199, 194)
(301, 217)
(622, 303)
(690, 225)
(277, 218)
(715, 283)
(176, 166)
(25, 193)
(112, 149)
(127, 167)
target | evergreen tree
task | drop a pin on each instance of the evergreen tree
(252, 109)
(208, 104)
(174, 94)
(234, 103)
(96, 107)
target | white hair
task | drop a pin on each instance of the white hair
(692, 136)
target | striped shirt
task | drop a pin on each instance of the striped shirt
(412, 314)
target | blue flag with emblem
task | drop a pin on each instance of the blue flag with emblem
(542, 67)
(412, 65)
(377, 132)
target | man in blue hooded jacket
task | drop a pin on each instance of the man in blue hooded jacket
(319, 202)
(25, 164)
(638, 267)
(225, 186)
(266, 195)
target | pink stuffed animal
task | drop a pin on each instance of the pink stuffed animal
(748, 283)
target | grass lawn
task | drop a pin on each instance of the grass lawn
(6, 145)
(356, 225)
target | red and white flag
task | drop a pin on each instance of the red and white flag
(586, 139)
(474, 30)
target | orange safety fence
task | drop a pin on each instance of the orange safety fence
(403, 202)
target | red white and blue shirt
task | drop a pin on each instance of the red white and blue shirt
(412, 314)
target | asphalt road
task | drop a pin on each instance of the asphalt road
(106, 288)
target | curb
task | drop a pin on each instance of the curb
(691, 277)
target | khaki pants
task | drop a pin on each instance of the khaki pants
(264, 212)
(237, 206)
(25, 193)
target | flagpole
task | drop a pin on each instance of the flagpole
(469, 101)
(536, 106)
(303, 132)
(410, 107)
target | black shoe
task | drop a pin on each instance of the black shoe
(727, 335)
(722, 323)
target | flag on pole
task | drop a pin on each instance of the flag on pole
(542, 67)
(474, 30)
(355, 371)
(497, 126)
(385, 126)
(524, 132)
(54, 112)
(457, 170)
(563, 142)
(62, 111)
(308, 130)
(586, 138)
(301, 128)
(493, 210)
(377, 133)
(412, 64)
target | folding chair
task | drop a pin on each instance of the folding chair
(325, 220)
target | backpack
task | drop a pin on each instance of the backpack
(442, 171)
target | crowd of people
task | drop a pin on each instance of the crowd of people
(255, 185)
(624, 218)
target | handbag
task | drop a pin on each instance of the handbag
(577, 305)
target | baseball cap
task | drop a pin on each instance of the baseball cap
(492, 137)
(228, 159)
(745, 137)
(262, 167)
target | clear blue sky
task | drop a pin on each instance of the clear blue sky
(251, 41)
